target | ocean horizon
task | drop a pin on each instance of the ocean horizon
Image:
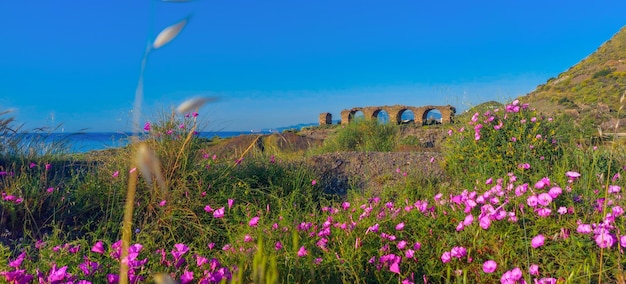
(83, 142)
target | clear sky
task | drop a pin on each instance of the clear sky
(277, 63)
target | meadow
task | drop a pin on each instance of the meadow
(524, 199)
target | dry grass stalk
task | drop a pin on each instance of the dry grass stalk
(149, 161)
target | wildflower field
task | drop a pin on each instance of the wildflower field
(524, 200)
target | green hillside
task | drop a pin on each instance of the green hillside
(590, 91)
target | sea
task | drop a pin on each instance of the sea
(94, 141)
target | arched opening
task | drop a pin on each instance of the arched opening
(407, 117)
(356, 115)
(432, 117)
(381, 116)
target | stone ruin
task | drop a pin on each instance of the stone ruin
(395, 114)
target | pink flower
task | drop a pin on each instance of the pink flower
(254, 222)
(484, 222)
(147, 127)
(302, 252)
(230, 203)
(247, 238)
(278, 245)
(446, 257)
(187, 277)
(373, 228)
(401, 245)
(201, 260)
(555, 192)
(562, 210)
(162, 203)
(57, 275)
(18, 261)
(546, 280)
(417, 246)
(469, 219)
(345, 205)
(572, 175)
(458, 252)
(533, 269)
(48, 166)
(98, 248)
(614, 188)
(542, 183)
(537, 241)
(544, 199)
(409, 253)
(313, 182)
(544, 212)
(395, 267)
(532, 201)
(400, 226)
(584, 229)
(604, 240)
(490, 266)
(115, 174)
(219, 213)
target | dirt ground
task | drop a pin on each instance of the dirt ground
(371, 171)
(340, 171)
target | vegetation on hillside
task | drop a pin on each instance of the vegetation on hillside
(590, 90)
(599, 78)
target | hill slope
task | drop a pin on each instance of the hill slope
(590, 89)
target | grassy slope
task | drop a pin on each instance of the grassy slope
(599, 78)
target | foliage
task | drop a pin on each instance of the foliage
(510, 140)
(364, 135)
(596, 80)
(263, 220)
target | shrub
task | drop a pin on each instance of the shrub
(362, 135)
(511, 140)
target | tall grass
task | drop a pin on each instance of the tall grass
(521, 202)
(364, 135)
(265, 220)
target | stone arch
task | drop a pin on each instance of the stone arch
(447, 112)
(378, 112)
(325, 118)
(395, 113)
(410, 116)
(430, 117)
(347, 115)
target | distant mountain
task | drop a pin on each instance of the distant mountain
(295, 127)
(589, 90)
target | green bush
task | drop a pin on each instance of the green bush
(502, 141)
(363, 135)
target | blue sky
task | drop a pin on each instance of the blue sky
(278, 63)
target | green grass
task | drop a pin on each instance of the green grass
(263, 218)
(363, 136)
(303, 235)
